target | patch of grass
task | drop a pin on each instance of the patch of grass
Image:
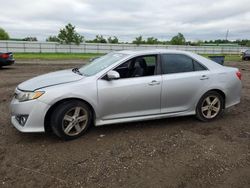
(54, 56)
(233, 58)
(227, 57)
(85, 56)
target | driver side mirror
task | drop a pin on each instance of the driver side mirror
(113, 75)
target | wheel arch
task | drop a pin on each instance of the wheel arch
(47, 118)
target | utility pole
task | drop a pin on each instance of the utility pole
(227, 34)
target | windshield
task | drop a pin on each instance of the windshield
(101, 63)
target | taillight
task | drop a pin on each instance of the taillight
(239, 75)
(4, 56)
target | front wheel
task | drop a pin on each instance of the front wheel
(210, 106)
(71, 119)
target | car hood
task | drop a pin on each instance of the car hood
(50, 79)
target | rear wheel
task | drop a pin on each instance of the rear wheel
(71, 119)
(210, 106)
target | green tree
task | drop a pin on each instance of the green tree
(52, 39)
(113, 40)
(30, 39)
(179, 39)
(152, 40)
(99, 39)
(4, 35)
(199, 43)
(138, 40)
(68, 35)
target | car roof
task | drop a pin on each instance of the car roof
(151, 51)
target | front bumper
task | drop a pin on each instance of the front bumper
(36, 111)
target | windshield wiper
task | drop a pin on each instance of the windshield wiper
(76, 70)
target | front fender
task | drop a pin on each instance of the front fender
(86, 92)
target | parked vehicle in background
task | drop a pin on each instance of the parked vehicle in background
(6, 59)
(245, 55)
(125, 86)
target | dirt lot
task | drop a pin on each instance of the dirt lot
(175, 152)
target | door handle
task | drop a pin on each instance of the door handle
(204, 77)
(154, 82)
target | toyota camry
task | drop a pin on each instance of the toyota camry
(125, 86)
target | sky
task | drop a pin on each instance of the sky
(196, 19)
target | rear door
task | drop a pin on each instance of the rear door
(183, 80)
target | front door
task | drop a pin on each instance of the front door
(136, 93)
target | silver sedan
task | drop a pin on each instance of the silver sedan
(125, 86)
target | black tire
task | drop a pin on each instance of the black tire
(58, 121)
(201, 115)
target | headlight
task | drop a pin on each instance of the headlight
(26, 96)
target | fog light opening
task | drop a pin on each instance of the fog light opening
(22, 119)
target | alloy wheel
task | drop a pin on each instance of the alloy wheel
(211, 106)
(75, 121)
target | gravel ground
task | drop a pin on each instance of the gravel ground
(175, 152)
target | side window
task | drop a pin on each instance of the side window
(198, 66)
(138, 67)
(177, 63)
